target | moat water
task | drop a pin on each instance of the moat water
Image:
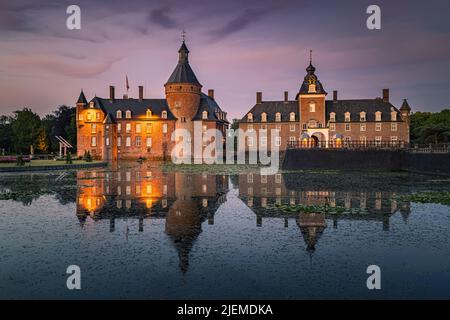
(155, 232)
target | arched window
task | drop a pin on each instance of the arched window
(277, 117)
(393, 116)
(148, 114)
(205, 115)
(119, 114)
(378, 116)
(250, 117)
(333, 117)
(164, 114)
(263, 117)
(362, 116)
(347, 117)
(128, 114)
(292, 116)
(312, 107)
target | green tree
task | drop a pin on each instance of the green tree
(25, 128)
(5, 134)
(428, 127)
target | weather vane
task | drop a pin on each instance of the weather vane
(183, 35)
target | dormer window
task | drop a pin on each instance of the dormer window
(312, 107)
(264, 117)
(378, 116)
(119, 114)
(91, 104)
(164, 114)
(347, 117)
(205, 115)
(393, 116)
(333, 117)
(128, 114)
(292, 116)
(277, 117)
(148, 114)
(362, 116)
(250, 117)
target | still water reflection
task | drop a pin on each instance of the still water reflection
(142, 231)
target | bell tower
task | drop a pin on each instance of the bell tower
(311, 100)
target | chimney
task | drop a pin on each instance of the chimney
(141, 93)
(111, 93)
(258, 97)
(211, 93)
(335, 97)
(386, 95)
(286, 97)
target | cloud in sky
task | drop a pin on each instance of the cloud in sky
(237, 48)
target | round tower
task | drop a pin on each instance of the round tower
(183, 89)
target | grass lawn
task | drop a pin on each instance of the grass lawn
(41, 163)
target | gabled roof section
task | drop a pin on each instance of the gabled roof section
(82, 98)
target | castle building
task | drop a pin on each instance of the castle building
(312, 121)
(129, 128)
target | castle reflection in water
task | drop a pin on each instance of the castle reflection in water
(187, 200)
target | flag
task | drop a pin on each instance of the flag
(127, 84)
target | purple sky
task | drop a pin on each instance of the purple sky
(237, 48)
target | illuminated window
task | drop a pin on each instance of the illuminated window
(148, 128)
(250, 117)
(312, 107)
(393, 126)
(128, 127)
(378, 127)
(332, 127)
(278, 117)
(107, 141)
(378, 116)
(347, 117)
(393, 116)
(128, 114)
(164, 128)
(205, 115)
(312, 88)
(97, 115)
(128, 142)
(149, 189)
(93, 128)
(119, 127)
(363, 139)
(138, 141)
(347, 127)
(149, 142)
(148, 114)
(119, 114)
(138, 128)
(89, 116)
(164, 114)
(333, 116)
(264, 117)
(292, 127)
(263, 141)
(80, 117)
(292, 116)
(362, 127)
(362, 116)
(93, 141)
(378, 140)
(119, 141)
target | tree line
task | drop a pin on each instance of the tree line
(429, 127)
(25, 130)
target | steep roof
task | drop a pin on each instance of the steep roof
(137, 107)
(209, 105)
(82, 98)
(355, 107)
(271, 108)
(340, 107)
(183, 72)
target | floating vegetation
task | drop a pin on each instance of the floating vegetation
(440, 197)
(317, 209)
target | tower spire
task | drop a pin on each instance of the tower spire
(183, 35)
(310, 57)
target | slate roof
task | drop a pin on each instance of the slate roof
(271, 108)
(210, 105)
(137, 107)
(82, 98)
(340, 107)
(183, 72)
